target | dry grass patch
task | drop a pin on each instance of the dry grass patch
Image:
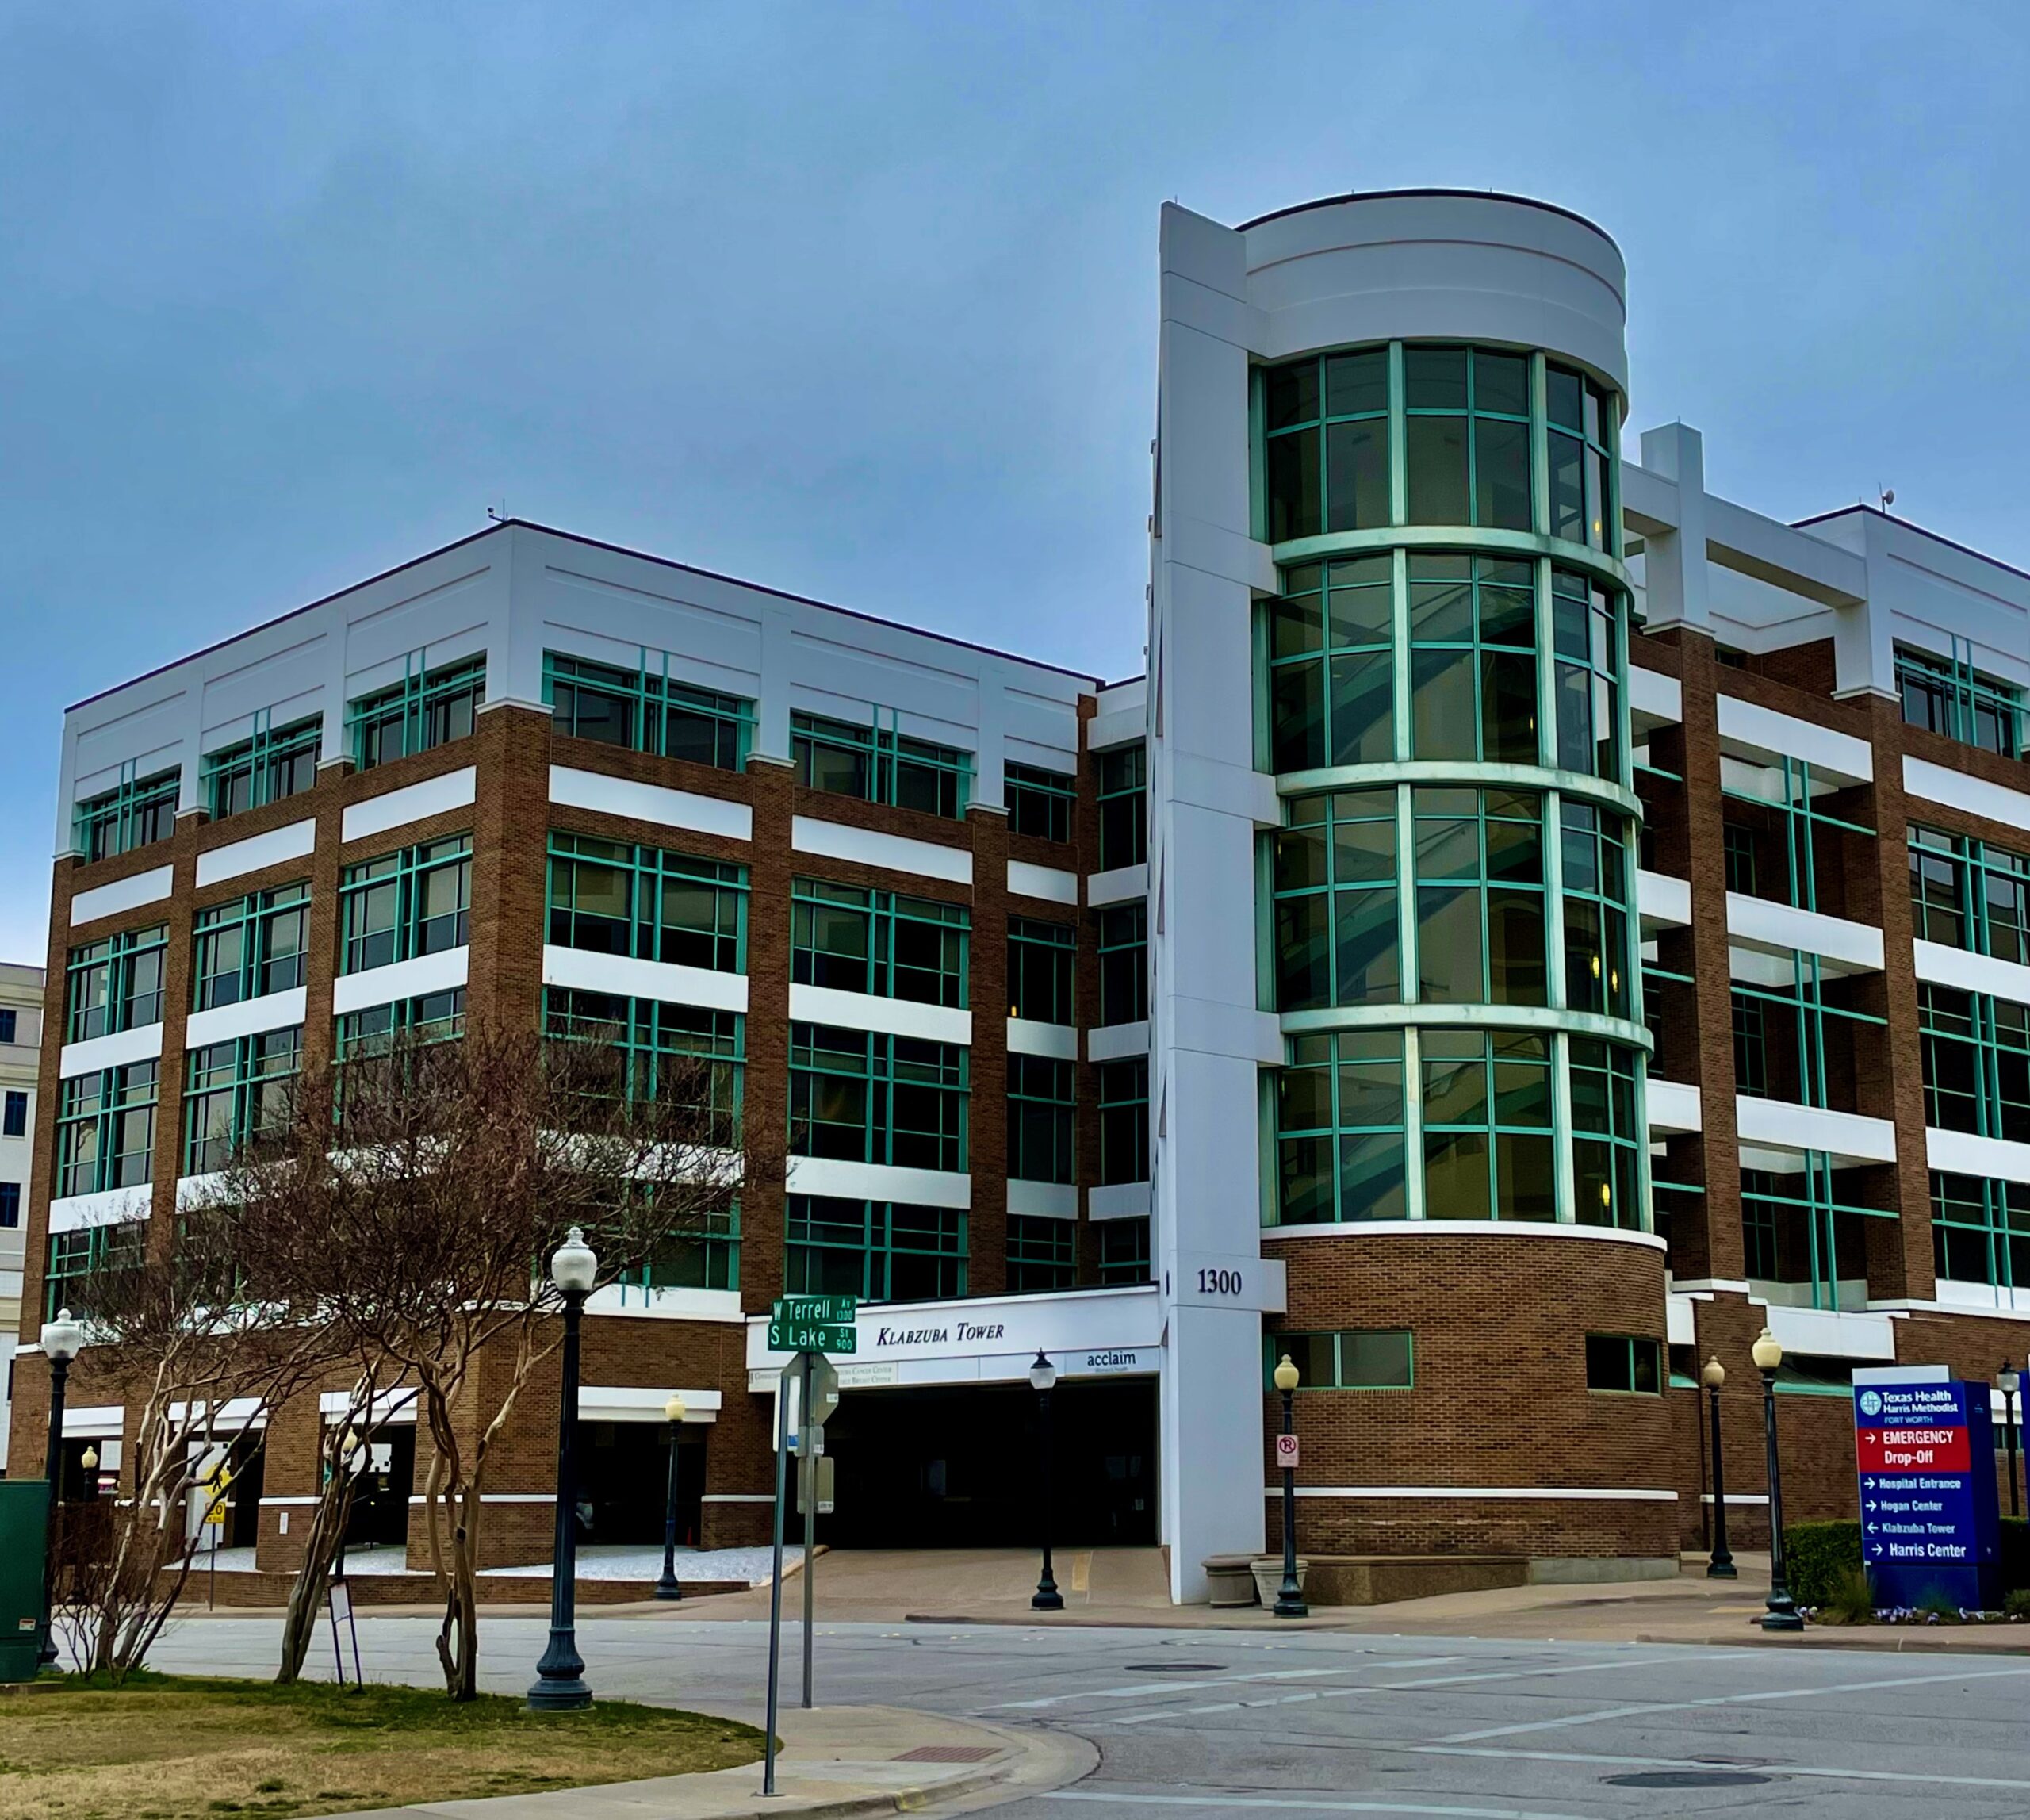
(183, 1748)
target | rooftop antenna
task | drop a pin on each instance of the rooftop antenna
(1887, 495)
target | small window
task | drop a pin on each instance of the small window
(1616, 1362)
(10, 1204)
(1040, 802)
(15, 1122)
(1354, 1358)
(7, 1026)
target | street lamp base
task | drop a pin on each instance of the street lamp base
(1046, 1599)
(570, 1696)
(1783, 1617)
(668, 1589)
(1291, 1608)
(1721, 1570)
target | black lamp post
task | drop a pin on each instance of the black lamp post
(1289, 1596)
(2009, 1378)
(1783, 1612)
(1042, 1374)
(667, 1587)
(560, 1685)
(62, 1339)
(1720, 1565)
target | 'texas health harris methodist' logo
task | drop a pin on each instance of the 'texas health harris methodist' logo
(1871, 1403)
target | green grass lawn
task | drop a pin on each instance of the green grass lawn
(165, 1747)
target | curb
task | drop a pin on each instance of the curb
(1059, 1621)
(1926, 1642)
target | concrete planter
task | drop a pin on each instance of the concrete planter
(1268, 1570)
(1230, 1578)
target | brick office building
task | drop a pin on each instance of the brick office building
(1537, 923)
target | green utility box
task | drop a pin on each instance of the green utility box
(24, 1533)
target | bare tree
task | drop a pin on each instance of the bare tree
(410, 1206)
(205, 1361)
(339, 1442)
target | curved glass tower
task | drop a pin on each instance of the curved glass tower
(1396, 1039)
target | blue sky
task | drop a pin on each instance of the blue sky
(858, 301)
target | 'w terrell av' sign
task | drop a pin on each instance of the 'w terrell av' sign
(1925, 1452)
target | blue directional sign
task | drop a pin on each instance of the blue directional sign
(1925, 1446)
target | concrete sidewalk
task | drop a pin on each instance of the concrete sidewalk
(835, 1761)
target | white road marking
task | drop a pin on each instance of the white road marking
(1142, 1690)
(1312, 1805)
(1725, 1700)
(1770, 1768)
(1156, 1713)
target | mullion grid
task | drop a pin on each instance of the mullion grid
(1041, 1105)
(1596, 877)
(1042, 1254)
(1987, 1217)
(1589, 676)
(649, 699)
(716, 944)
(85, 1251)
(1353, 1145)
(1800, 824)
(1514, 1119)
(1311, 855)
(1471, 414)
(105, 1126)
(131, 965)
(1034, 794)
(431, 1017)
(1994, 1035)
(1123, 1094)
(1960, 702)
(896, 1077)
(137, 812)
(1805, 1000)
(1042, 966)
(409, 871)
(1492, 808)
(662, 1044)
(886, 753)
(1821, 1209)
(417, 704)
(886, 919)
(266, 760)
(235, 1092)
(1491, 589)
(826, 1237)
(1124, 783)
(255, 921)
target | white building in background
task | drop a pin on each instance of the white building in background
(21, 1057)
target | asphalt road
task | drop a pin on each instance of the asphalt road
(1196, 1725)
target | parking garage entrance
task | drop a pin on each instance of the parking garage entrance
(957, 1465)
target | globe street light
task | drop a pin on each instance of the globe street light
(667, 1587)
(1042, 1374)
(1720, 1565)
(1783, 1612)
(1289, 1596)
(89, 1460)
(2009, 1379)
(560, 1685)
(62, 1339)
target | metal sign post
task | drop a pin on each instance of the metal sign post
(811, 1440)
(776, 1583)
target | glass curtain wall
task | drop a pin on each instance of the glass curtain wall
(1448, 916)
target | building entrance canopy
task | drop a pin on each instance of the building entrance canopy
(1088, 1333)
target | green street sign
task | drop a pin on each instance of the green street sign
(834, 1311)
(812, 1336)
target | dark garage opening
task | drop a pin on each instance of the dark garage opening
(623, 1475)
(957, 1465)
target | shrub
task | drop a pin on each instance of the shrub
(1850, 1601)
(2016, 1603)
(1818, 1558)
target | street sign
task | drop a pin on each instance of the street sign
(1286, 1453)
(824, 1381)
(828, 1470)
(831, 1310)
(1925, 1452)
(812, 1336)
